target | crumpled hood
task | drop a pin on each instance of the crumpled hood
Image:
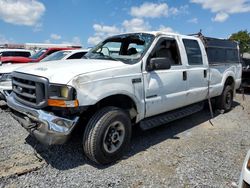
(63, 71)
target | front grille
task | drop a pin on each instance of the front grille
(30, 90)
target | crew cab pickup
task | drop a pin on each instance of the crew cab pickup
(33, 58)
(146, 79)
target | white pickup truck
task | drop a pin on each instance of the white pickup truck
(146, 79)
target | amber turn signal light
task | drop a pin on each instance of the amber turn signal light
(62, 103)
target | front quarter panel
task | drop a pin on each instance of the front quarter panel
(93, 87)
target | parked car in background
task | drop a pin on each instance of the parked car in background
(245, 173)
(38, 56)
(14, 53)
(146, 79)
(5, 78)
(6, 69)
(66, 54)
(246, 70)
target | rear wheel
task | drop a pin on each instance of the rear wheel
(225, 101)
(107, 135)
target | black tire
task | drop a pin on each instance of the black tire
(225, 100)
(100, 138)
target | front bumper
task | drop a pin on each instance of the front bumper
(45, 127)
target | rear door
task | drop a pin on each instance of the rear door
(197, 70)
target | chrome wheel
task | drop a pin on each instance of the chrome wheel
(114, 137)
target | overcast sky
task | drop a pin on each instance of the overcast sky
(87, 22)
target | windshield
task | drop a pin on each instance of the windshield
(56, 56)
(38, 54)
(128, 48)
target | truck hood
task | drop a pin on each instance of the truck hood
(16, 59)
(64, 70)
(8, 68)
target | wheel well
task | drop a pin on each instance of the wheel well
(230, 81)
(121, 101)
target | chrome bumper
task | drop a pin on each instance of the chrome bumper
(46, 127)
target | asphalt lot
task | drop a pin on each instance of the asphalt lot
(190, 152)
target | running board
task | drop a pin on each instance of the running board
(167, 117)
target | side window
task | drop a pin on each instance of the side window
(193, 52)
(167, 48)
(77, 55)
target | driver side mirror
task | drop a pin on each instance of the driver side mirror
(159, 63)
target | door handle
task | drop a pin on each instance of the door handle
(205, 73)
(184, 73)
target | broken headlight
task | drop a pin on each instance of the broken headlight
(61, 92)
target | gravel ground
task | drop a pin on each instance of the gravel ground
(191, 152)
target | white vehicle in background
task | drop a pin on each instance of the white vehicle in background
(66, 54)
(5, 78)
(6, 69)
(15, 52)
(245, 173)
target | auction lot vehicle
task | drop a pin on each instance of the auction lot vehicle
(246, 71)
(146, 79)
(14, 53)
(5, 78)
(66, 54)
(245, 173)
(7, 69)
(38, 56)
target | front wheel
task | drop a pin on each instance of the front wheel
(225, 101)
(107, 135)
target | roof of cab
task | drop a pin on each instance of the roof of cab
(158, 33)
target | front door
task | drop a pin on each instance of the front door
(165, 90)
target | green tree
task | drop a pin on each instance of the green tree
(243, 37)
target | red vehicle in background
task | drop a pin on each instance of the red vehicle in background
(38, 56)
